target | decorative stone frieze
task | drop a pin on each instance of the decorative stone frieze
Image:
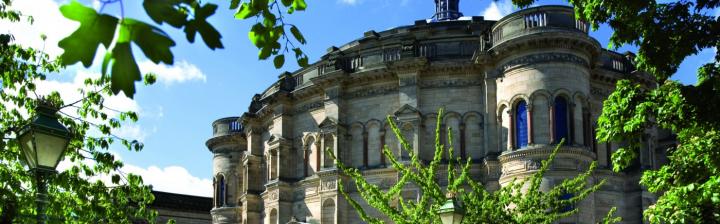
(544, 58)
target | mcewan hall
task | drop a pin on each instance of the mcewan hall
(510, 89)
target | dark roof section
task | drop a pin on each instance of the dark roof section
(181, 202)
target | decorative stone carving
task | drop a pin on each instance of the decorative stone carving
(373, 91)
(329, 185)
(450, 83)
(599, 92)
(532, 164)
(309, 107)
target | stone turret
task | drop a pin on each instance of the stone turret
(227, 145)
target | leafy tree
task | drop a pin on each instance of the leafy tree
(666, 33)
(509, 204)
(116, 35)
(76, 194)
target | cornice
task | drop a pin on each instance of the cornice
(455, 83)
(372, 91)
(551, 38)
(544, 151)
(234, 138)
(407, 65)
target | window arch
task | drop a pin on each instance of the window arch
(309, 159)
(328, 212)
(220, 191)
(329, 143)
(521, 125)
(561, 125)
(273, 216)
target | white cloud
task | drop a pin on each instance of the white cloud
(349, 2)
(69, 93)
(175, 179)
(497, 9)
(112, 104)
(47, 20)
(182, 71)
(131, 131)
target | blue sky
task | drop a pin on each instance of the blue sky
(204, 85)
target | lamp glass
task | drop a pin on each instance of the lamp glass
(49, 149)
(28, 147)
(44, 140)
(451, 218)
(451, 212)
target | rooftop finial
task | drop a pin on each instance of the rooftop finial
(447, 10)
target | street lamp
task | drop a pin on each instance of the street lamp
(43, 142)
(451, 212)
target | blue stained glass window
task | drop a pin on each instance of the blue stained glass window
(566, 196)
(561, 119)
(521, 132)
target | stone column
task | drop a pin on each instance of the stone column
(511, 131)
(530, 123)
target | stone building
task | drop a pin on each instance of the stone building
(510, 88)
(183, 209)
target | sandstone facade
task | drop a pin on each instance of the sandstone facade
(510, 88)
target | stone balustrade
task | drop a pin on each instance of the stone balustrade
(537, 20)
(226, 126)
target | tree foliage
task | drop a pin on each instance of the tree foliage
(666, 33)
(518, 202)
(117, 34)
(75, 194)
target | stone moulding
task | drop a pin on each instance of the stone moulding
(233, 139)
(450, 83)
(309, 107)
(373, 91)
(544, 58)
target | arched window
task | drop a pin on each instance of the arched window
(309, 159)
(220, 191)
(328, 212)
(521, 125)
(329, 142)
(273, 216)
(561, 120)
(568, 207)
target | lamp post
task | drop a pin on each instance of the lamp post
(451, 212)
(43, 143)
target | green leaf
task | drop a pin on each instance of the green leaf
(210, 35)
(106, 61)
(279, 60)
(287, 3)
(125, 70)
(95, 29)
(149, 79)
(245, 12)
(298, 36)
(256, 35)
(165, 11)
(299, 5)
(264, 53)
(234, 4)
(154, 43)
(260, 5)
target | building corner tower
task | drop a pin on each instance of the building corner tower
(227, 144)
